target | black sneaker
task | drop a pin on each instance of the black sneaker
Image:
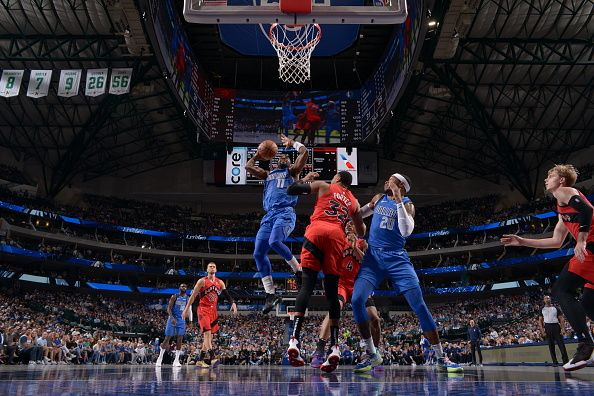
(583, 355)
(272, 301)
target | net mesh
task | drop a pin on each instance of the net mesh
(294, 45)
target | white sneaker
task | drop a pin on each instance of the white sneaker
(294, 356)
(332, 362)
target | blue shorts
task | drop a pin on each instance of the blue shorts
(395, 265)
(283, 218)
(178, 330)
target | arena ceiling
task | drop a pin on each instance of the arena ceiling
(506, 89)
(82, 135)
(502, 88)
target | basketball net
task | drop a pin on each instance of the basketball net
(294, 45)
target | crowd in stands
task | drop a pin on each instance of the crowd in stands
(153, 216)
(52, 327)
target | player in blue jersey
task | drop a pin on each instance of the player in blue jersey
(279, 220)
(289, 118)
(176, 325)
(392, 222)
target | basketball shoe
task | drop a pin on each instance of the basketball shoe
(445, 364)
(583, 355)
(369, 363)
(295, 359)
(272, 301)
(202, 364)
(332, 362)
(317, 359)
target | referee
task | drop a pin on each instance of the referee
(551, 323)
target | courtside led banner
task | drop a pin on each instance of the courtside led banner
(236, 166)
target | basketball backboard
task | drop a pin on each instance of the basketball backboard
(386, 12)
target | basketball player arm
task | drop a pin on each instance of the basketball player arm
(367, 210)
(228, 296)
(195, 293)
(301, 159)
(573, 199)
(170, 309)
(360, 227)
(300, 188)
(556, 241)
(255, 170)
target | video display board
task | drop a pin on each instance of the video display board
(327, 161)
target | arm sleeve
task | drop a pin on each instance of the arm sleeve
(406, 223)
(227, 295)
(584, 212)
(366, 211)
(298, 188)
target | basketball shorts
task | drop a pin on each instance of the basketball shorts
(585, 269)
(345, 293)
(178, 330)
(395, 265)
(322, 248)
(283, 218)
(208, 319)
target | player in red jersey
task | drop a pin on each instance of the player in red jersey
(351, 262)
(322, 251)
(575, 217)
(208, 290)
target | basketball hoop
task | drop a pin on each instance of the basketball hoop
(294, 45)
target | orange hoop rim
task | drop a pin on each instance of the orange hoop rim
(312, 43)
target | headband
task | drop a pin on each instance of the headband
(403, 181)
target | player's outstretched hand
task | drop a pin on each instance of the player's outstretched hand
(310, 177)
(286, 141)
(234, 308)
(185, 314)
(511, 240)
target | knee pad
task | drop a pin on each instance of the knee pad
(414, 297)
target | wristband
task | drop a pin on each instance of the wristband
(297, 145)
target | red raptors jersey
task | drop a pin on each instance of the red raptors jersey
(335, 206)
(209, 293)
(349, 269)
(570, 218)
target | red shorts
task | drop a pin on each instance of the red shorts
(345, 292)
(208, 319)
(585, 269)
(322, 248)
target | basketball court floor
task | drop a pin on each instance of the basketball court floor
(276, 380)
